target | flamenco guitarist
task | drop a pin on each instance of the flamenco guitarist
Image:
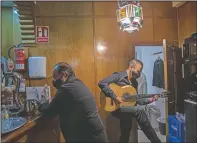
(125, 114)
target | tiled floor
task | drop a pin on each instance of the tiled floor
(143, 139)
(153, 120)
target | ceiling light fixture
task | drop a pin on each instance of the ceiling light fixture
(129, 15)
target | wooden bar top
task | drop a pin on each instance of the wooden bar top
(31, 122)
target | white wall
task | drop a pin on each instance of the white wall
(145, 54)
(17, 39)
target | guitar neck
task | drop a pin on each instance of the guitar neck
(137, 96)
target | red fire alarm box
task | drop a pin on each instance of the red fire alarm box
(19, 59)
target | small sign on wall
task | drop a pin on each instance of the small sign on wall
(42, 34)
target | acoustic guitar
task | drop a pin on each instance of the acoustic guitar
(128, 94)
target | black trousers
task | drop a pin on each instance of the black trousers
(89, 130)
(125, 114)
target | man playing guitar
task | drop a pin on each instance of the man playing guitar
(125, 114)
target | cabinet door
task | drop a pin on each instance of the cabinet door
(22, 139)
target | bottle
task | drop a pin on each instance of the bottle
(180, 117)
(4, 119)
(22, 85)
(36, 108)
(47, 93)
(177, 116)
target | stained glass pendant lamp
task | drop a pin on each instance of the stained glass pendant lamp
(129, 15)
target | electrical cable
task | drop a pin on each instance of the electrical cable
(9, 50)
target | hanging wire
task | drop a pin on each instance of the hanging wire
(122, 3)
(9, 56)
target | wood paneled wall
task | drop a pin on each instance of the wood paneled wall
(77, 28)
(186, 21)
(76, 31)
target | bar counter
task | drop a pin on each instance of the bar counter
(37, 129)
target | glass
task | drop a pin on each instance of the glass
(192, 48)
(189, 47)
(5, 122)
(190, 68)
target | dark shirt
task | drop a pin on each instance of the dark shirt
(121, 79)
(158, 74)
(77, 110)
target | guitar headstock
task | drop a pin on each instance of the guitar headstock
(165, 93)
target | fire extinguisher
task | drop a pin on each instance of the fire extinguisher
(19, 58)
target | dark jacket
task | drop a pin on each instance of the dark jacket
(78, 114)
(158, 74)
(119, 78)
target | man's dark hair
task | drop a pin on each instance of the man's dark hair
(134, 61)
(64, 67)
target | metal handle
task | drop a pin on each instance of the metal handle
(182, 50)
(183, 71)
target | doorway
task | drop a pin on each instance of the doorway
(149, 55)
